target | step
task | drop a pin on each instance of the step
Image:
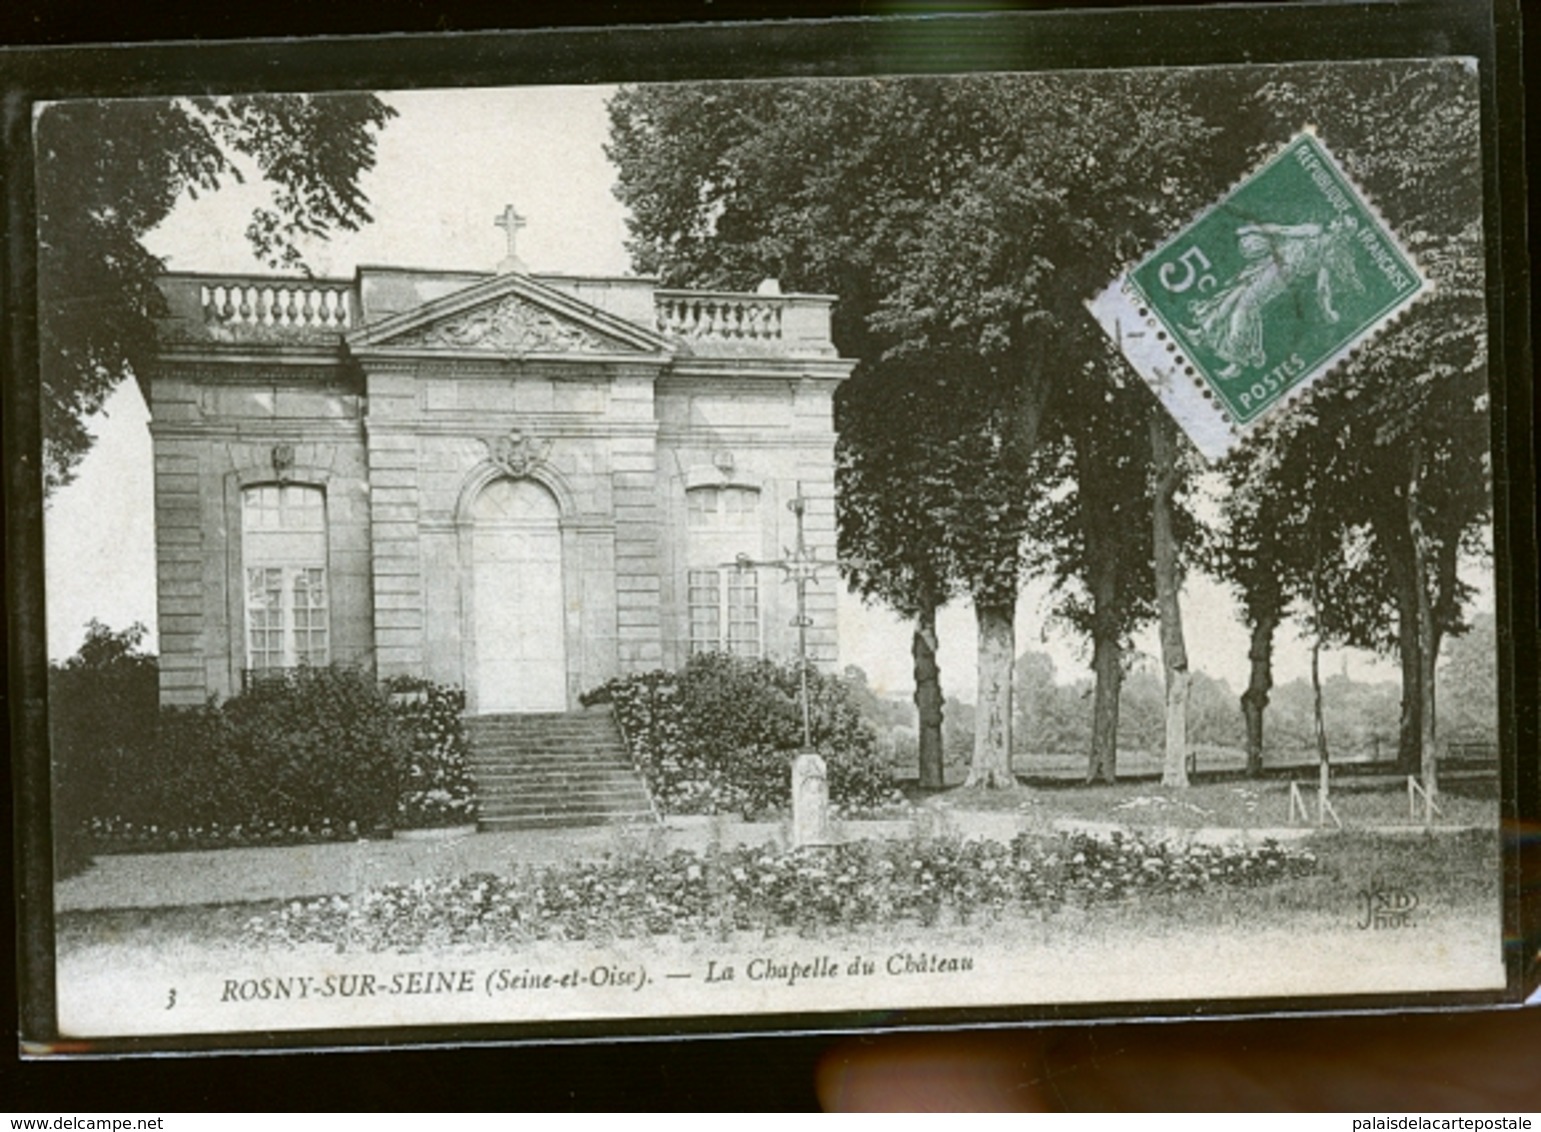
(575, 750)
(593, 799)
(577, 733)
(515, 765)
(610, 781)
(583, 763)
(562, 821)
(552, 770)
(506, 782)
(600, 723)
(506, 807)
(560, 803)
(539, 742)
(597, 794)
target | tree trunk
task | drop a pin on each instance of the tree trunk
(1174, 652)
(1107, 664)
(1254, 701)
(1391, 529)
(1319, 727)
(1428, 646)
(1409, 737)
(928, 699)
(1107, 653)
(992, 719)
(1318, 718)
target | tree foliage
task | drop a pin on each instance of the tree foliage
(1388, 463)
(963, 222)
(110, 171)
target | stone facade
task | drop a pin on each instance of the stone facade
(519, 484)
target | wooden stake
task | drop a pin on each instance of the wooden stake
(1297, 804)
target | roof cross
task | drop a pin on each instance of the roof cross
(510, 221)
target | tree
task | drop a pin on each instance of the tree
(828, 186)
(1468, 682)
(1384, 469)
(1247, 552)
(961, 221)
(1410, 415)
(1050, 716)
(109, 171)
(1097, 544)
(105, 709)
(1270, 547)
(727, 183)
(891, 543)
(1166, 476)
(996, 273)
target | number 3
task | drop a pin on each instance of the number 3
(1193, 261)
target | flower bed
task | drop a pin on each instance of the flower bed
(436, 789)
(118, 835)
(766, 889)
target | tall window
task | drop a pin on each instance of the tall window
(723, 508)
(283, 547)
(724, 602)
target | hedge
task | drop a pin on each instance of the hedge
(310, 754)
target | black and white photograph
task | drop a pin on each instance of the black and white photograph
(529, 557)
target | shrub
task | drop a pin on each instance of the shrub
(315, 745)
(312, 754)
(436, 787)
(719, 735)
(103, 703)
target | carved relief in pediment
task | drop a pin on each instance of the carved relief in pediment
(508, 326)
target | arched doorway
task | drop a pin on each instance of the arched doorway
(517, 602)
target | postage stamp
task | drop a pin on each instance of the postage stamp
(1260, 296)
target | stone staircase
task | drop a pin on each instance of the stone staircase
(550, 770)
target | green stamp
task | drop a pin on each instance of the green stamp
(1260, 295)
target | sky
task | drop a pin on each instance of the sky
(446, 168)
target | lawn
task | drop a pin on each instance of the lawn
(1361, 802)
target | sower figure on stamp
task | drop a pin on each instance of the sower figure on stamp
(1230, 322)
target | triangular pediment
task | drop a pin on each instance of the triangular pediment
(508, 316)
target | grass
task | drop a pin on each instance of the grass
(1360, 801)
(1210, 761)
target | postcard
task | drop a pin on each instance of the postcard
(829, 550)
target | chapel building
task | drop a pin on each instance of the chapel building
(521, 484)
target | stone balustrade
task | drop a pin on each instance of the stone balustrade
(277, 303)
(732, 324)
(251, 309)
(730, 317)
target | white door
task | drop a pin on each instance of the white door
(520, 633)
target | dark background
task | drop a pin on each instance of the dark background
(754, 1073)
